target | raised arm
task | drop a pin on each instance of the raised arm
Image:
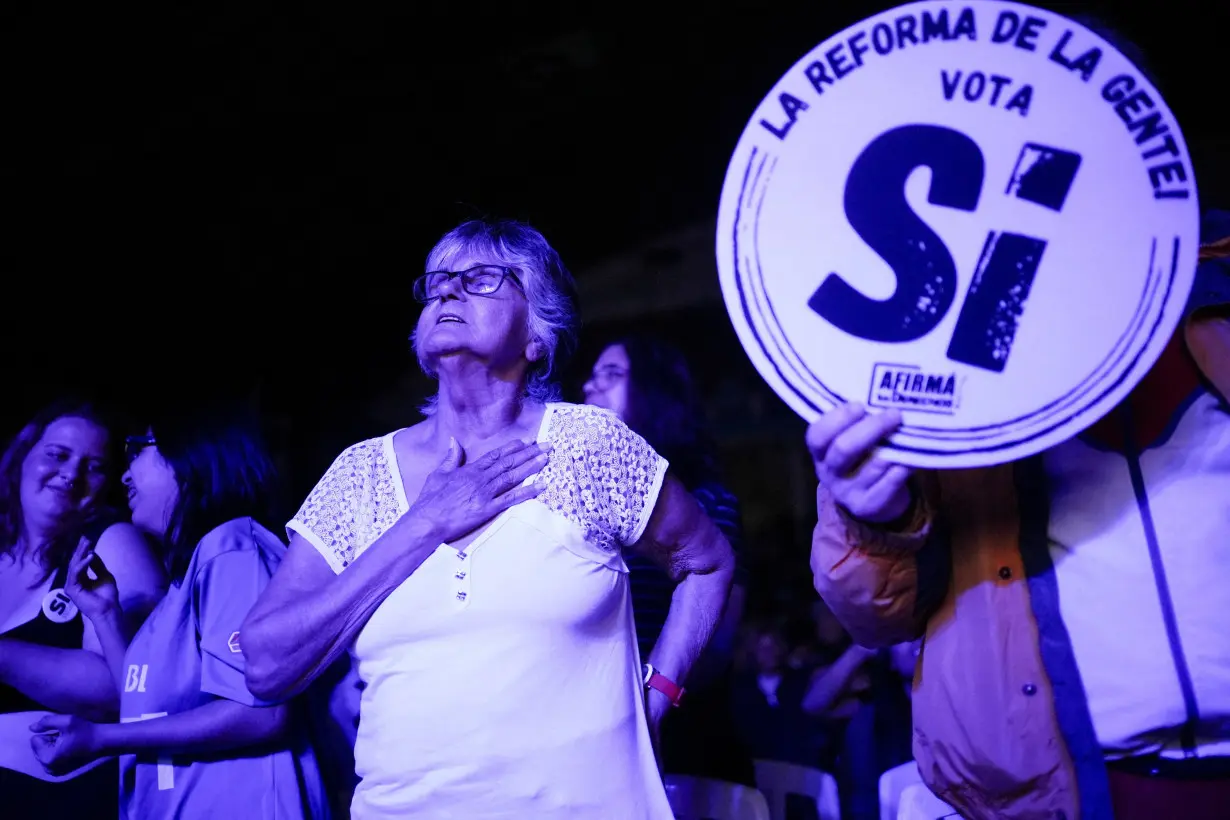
(870, 528)
(309, 615)
(688, 546)
(827, 685)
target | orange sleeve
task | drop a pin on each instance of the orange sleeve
(1219, 249)
(869, 577)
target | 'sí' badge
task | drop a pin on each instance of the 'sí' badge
(58, 607)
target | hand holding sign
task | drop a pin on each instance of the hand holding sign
(842, 444)
(979, 215)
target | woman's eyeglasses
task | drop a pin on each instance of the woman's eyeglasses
(133, 445)
(603, 377)
(482, 280)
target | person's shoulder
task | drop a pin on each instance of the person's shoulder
(237, 549)
(239, 535)
(568, 410)
(357, 460)
(123, 533)
(139, 572)
(599, 434)
(362, 451)
(583, 422)
(266, 542)
(120, 541)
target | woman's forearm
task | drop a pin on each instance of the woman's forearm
(219, 726)
(112, 634)
(685, 543)
(715, 661)
(71, 681)
(308, 617)
(695, 612)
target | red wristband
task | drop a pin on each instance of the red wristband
(656, 680)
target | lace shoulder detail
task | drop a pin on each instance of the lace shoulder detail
(351, 506)
(602, 476)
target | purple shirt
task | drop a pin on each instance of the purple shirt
(186, 655)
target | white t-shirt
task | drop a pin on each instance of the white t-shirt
(1108, 592)
(503, 679)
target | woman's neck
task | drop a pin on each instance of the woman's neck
(32, 544)
(474, 410)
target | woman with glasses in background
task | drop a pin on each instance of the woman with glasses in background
(193, 741)
(53, 482)
(648, 384)
(472, 563)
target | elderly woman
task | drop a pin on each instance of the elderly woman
(472, 564)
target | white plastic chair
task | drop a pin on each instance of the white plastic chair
(918, 803)
(699, 798)
(777, 779)
(892, 783)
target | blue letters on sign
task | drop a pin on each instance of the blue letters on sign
(926, 275)
(876, 207)
(987, 322)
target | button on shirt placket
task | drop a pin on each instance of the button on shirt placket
(461, 579)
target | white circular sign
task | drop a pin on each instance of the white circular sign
(58, 607)
(982, 215)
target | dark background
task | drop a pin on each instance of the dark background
(234, 199)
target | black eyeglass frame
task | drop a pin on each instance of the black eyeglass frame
(133, 445)
(420, 284)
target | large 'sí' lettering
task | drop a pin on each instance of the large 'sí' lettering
(926, 275)
(877, 209)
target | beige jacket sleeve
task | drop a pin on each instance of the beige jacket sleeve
(869, 577)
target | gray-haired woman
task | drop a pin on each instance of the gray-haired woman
(472, 564)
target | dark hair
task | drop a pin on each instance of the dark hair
(665, 409)
(223, 471)
(61, 547)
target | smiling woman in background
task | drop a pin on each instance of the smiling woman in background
(194, 741)
(52, 481)
(489, 615)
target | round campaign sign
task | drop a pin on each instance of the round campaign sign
(981, 215)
